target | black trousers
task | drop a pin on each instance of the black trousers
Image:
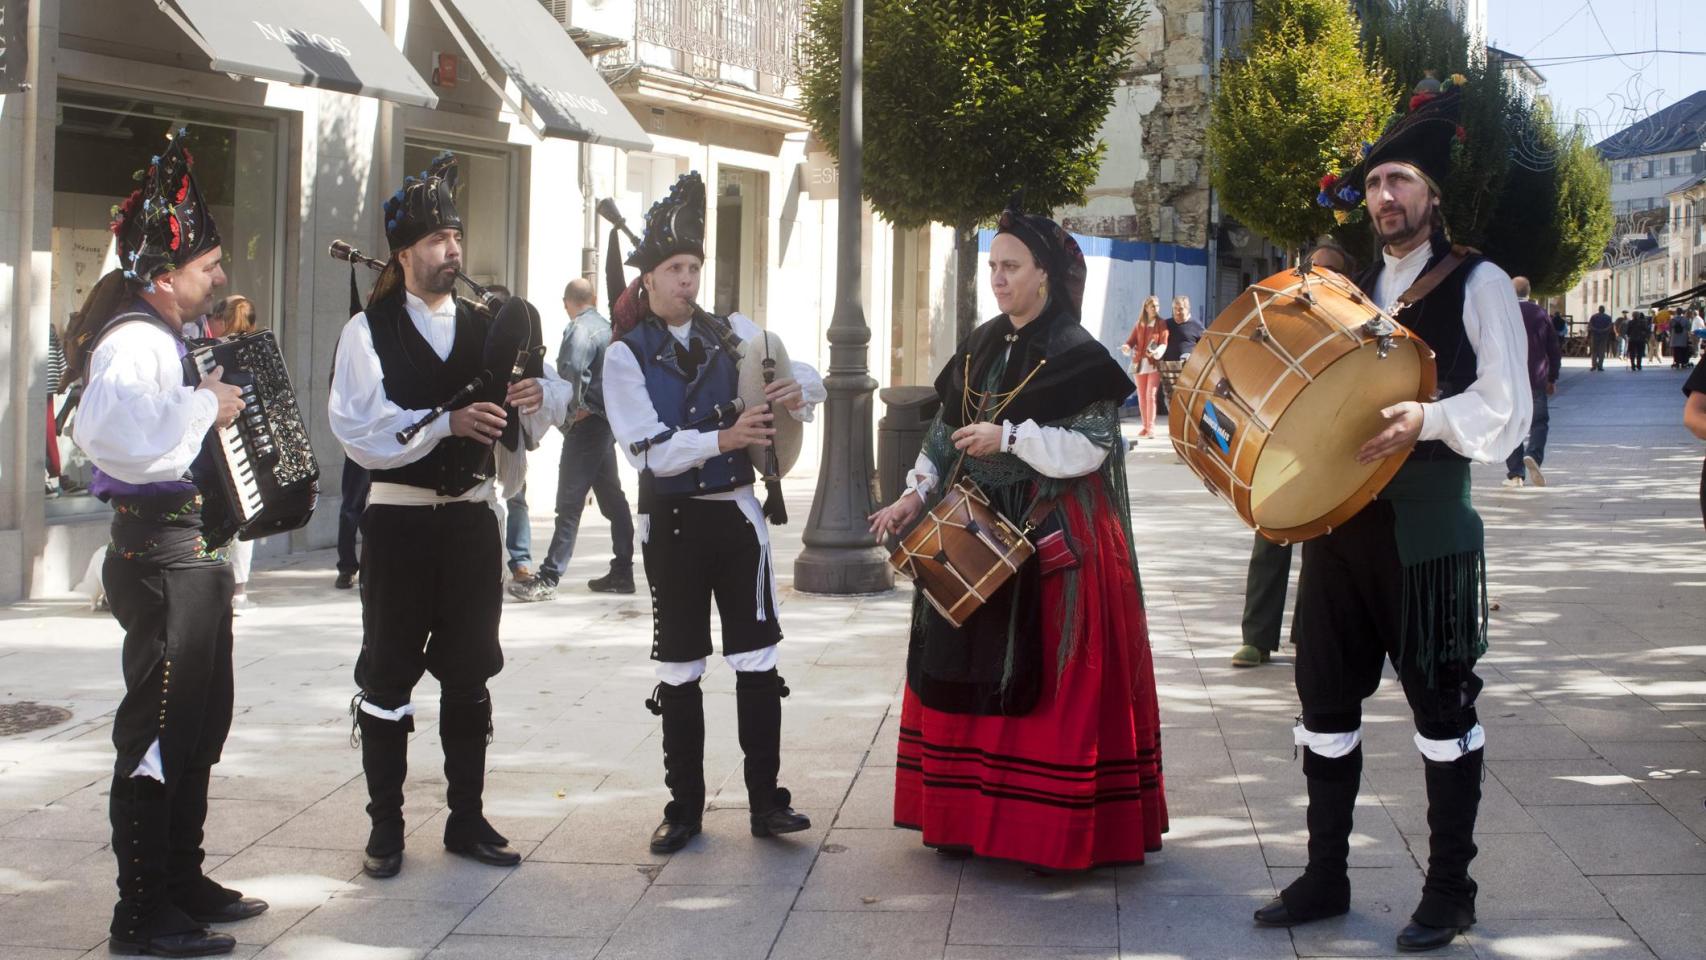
(431, 598)
(179, 692)
(356, 482)
(697, 551)
(1348, 623)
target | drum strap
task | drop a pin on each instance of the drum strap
(1426, 283)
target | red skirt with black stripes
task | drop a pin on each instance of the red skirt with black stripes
(1076, 783)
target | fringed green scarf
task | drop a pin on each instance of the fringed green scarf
(1441, 546)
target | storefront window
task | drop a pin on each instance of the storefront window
(486, 199)
(740, 248)
(99, 144)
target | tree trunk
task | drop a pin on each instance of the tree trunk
(965, 280)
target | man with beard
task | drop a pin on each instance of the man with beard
(1404, 579)
(143, 427)
(431, 587)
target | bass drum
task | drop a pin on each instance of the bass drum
(757, 356)
(1284, 387)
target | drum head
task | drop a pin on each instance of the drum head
(790, 432)
(1320, 433)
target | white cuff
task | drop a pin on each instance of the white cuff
(1445, 751)
(151, 766)
(1328, 746)
(677, 673)
(755, 661)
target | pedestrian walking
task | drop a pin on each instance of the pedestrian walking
(1637, 332)
(1147, 343)
(1681, 339)
(1600, 334)
(588, 462)
(1545, 360)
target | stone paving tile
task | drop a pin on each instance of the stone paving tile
(1542, 783)
(1660, 760)
(703, 922)
(727, 851)
(1168, 926)
(29, 866)
(960, 951)
(1564, 939)
(1668, 913)
(39, 953)
(72, 912)
(462, 947)
(811, 935)
(294, 881)
(1599, 726)
(1624, 840)
(340, 821)
(870, 801)
(393, 929)
(586, 900)
(1536, 741)
(1001, 905)
(1375, 841)
(880, 870)
(1525, 876)
(1685, 799)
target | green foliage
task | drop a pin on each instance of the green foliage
(1584, 221)
(1298, 107)
(970, 101)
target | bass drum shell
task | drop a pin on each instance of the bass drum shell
(790, 432)
(1272, 421)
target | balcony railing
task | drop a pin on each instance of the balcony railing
(756, 35)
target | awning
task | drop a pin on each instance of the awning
(332, 44)
(566, 96)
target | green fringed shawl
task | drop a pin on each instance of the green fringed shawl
(1441, 546)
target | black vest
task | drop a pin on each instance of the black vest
(1438, 320)
(416, 379)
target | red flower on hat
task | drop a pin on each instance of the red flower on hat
(177, 231)
(1462, 134)
(183, 189)
(1328, 181)
(1420, 99)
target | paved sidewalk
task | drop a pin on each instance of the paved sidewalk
(1593, 832)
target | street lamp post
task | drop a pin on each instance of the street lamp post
(841, 556)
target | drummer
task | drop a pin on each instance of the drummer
(1405, 578)
(669, 364)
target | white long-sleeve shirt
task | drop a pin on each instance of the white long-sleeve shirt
(366, 422)
(137, 420)
(632, 416)
(1051, 451)
(1486, 421)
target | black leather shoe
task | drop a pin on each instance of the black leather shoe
(616, 581)
(240, 909)
(779, 820)
(671, 836)
(381, 868)
(1277, 914)
(345, 581)
(194, 943)
(1418, 937)
(496, 854)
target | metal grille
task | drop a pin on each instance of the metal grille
(756, 35)
(27, 717)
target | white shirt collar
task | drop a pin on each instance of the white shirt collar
(419, 308)
(1414, 260)
(682, 333)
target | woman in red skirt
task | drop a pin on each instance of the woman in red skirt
(1031, 733)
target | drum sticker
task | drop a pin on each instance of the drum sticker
(1217, 427)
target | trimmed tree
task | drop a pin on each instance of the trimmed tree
(1298, 107)
(969, 102)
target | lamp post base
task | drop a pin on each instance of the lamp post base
(843, 571)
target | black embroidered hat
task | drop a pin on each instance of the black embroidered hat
(1423, 139)
(674, 225)
(424, 205)
(165, 223)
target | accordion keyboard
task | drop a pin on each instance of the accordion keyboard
(239, 467)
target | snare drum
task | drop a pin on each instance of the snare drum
(1284, 387)
(961, 552)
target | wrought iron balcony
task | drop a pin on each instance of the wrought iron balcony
(756, 35)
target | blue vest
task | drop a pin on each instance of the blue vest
(679, 401)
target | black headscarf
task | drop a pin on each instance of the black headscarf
(1076, 370)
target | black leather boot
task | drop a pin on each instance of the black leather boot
(203, 900)
(145, 922)
(1448, 892)
(620, 579)
(464, 727)
(385, 762)
(758, 706)
(1324, 890)
(682, 707)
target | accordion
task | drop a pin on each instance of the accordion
(259, 474)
